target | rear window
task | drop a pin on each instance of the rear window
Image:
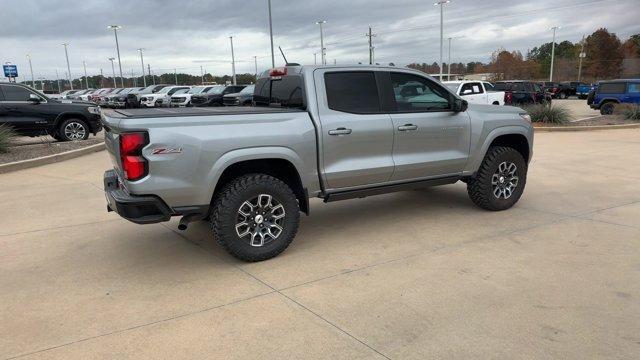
(354, 92)
(284, 92)
(612, 88)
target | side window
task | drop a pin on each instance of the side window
(489, 86)
(1, 93)
(633, 88)
(608, 88)
(415, 94)
(477, 88)
(537, 88)
(466, 89)
(353, 92)
(15, 93)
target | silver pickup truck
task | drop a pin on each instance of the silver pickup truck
(314, 131)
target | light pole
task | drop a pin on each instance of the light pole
(370, 35)
(86, 79)
(114, 72)
(201, 76)
(33, 83)
(233, 62)
(144, 78)
(441, 4)
(553, 50)
(582, 55)
(449, 61)
(273, 60)
(115, 32)
(322, 53)
(58, 81)
(175, 74)
(66, 53)
(255, 63)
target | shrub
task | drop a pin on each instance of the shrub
(548, 114)
(6, 137)
(629, 111)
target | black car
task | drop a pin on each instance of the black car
(214, 96)
(522, 92)
(244, 97)
(31, 113)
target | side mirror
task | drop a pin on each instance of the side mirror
(34, 99)
(460, 105)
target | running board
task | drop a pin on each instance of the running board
(385, 189)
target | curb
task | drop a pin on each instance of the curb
(50, 159)
(586, 128)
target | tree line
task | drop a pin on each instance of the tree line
(605, 57)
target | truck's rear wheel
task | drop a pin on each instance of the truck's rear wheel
(255, 217)
(500, 181)
(607, 108)
(73, 130)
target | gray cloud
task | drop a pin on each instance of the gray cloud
(189, 34)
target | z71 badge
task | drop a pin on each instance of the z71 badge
(164, 151)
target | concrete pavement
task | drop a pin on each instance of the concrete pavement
(412, 275)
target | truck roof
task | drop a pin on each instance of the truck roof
(195, 111)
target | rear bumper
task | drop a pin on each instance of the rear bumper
(137, 209)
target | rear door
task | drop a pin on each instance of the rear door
(430, 139)
(356, 134)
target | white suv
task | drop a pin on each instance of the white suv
(162, 98)
(182, 98)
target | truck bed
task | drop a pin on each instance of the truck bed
(195, 111)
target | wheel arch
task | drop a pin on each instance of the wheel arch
(519, 137)
(281, 163)
(70, 115)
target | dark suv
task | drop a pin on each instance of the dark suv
(607, 94)
(522, 92)
(214, 96)
(31, 113)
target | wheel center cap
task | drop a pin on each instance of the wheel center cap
(501, 179)
(259, 219)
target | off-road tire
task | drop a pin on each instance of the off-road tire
(479, 187)
(62, 134)
(607, 108)
(562, 95)
(227, 203)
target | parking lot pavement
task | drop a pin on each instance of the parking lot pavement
(578, 108)
(421, 274)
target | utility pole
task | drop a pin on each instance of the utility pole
(255, 63)
(322, 50)
(175, 74)
(133, 78)
(114, 72)
(233, 62)
(553, 51)
(86, 79)
(58, 81)
(581, 56)
(370, 36)
(441, 4)
(273, 59)
(101, 79)
(115, 32)
(33, 83)
(144, 78)
(152, 76)
(201, 76)
(66, 53)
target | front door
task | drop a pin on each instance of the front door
(430, 140)
(22, 115)
(356, 135)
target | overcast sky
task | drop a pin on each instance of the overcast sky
(189, 33)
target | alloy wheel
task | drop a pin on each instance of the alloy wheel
(75, 131)
(505, 180)
(260, 220)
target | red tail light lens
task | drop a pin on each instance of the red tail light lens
(134, 165)
(277, 72)
(508, 97)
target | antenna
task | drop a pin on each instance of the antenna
(284, 57)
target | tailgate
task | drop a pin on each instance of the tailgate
(111, 140)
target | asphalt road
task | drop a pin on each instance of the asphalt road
(412, 275)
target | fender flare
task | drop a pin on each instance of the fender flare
(478, 154)
(69, 114)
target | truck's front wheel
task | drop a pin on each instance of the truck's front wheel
(255, 217)
(500, 181)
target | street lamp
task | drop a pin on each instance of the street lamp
(441, 4)
(553, 50)
(66, 53)
(322, 49)
(86, 79)
(144, 78)
(273, 60)
(449, 61)
(114, 72)
(33, 83)
(233, 62)
(115, 32)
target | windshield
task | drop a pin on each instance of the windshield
(248, 89)
(452, 86)
(216, 90)
(181, 91)
(194, 90)
(148, 90)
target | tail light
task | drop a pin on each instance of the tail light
(277, 72)
(134, 165)
(508, 97)
(554, 90)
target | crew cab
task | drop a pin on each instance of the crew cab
(31, 113)
(476, 92)
(330, 132)
(607, 94)
(522, 92)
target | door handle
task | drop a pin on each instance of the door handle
(340, 131)
(407, 127)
